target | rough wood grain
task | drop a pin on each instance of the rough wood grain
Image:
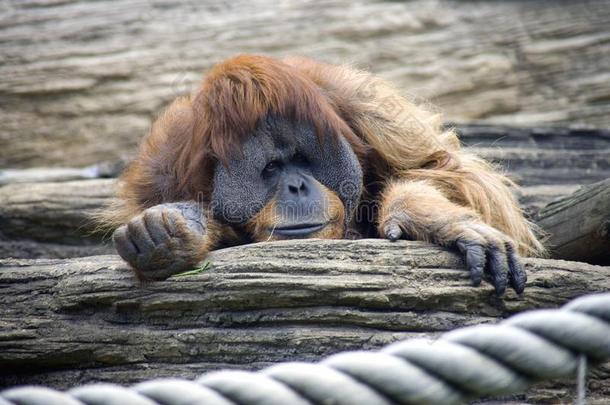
(68, 322)
(579, 224)
(534, 198)
(59, 212)
(81, 80)
(56, 174)
(29, 249)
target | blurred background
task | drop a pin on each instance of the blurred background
(527, 83)
(81, 80)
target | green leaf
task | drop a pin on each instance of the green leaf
(195, 271)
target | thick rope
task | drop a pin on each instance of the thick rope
(468, 363)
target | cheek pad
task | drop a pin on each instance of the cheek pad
(337, 167)
(239, 191)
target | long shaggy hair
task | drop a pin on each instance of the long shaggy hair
(409, 142)
(392, 137)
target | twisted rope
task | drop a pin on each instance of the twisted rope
(483, 360)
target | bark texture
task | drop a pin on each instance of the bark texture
(56, 212)
(579, 224)
(561, 157)
(55, 219)
(68, 322)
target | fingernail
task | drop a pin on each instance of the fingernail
(393, 232)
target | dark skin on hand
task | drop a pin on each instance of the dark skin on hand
(285, 149)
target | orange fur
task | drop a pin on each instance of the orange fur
(176, 159)
(423, 212)
(403, 143)
(409, 142)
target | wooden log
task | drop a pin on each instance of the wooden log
(28, 249)
(58, 212)
(57, 174)
(53, 219)
(542, 156)
(68, 322)
(579, 224)
(535, 137)
(534, 198)
(535, 156)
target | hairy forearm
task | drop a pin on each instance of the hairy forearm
(421, 212)
(418, 210)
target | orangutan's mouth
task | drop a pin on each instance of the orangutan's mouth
(298, 229)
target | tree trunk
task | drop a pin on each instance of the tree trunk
(68, 322)
(579, 224)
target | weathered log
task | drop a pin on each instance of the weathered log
(540, 156)
(536, 156)
(56, 174)
(532, 157)
(564, 138)
(67, 322)
(579, 224)
(28, 249)
(534, 198)
(54, 212)
(88, 92)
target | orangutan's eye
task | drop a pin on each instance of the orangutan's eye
(272, 167)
